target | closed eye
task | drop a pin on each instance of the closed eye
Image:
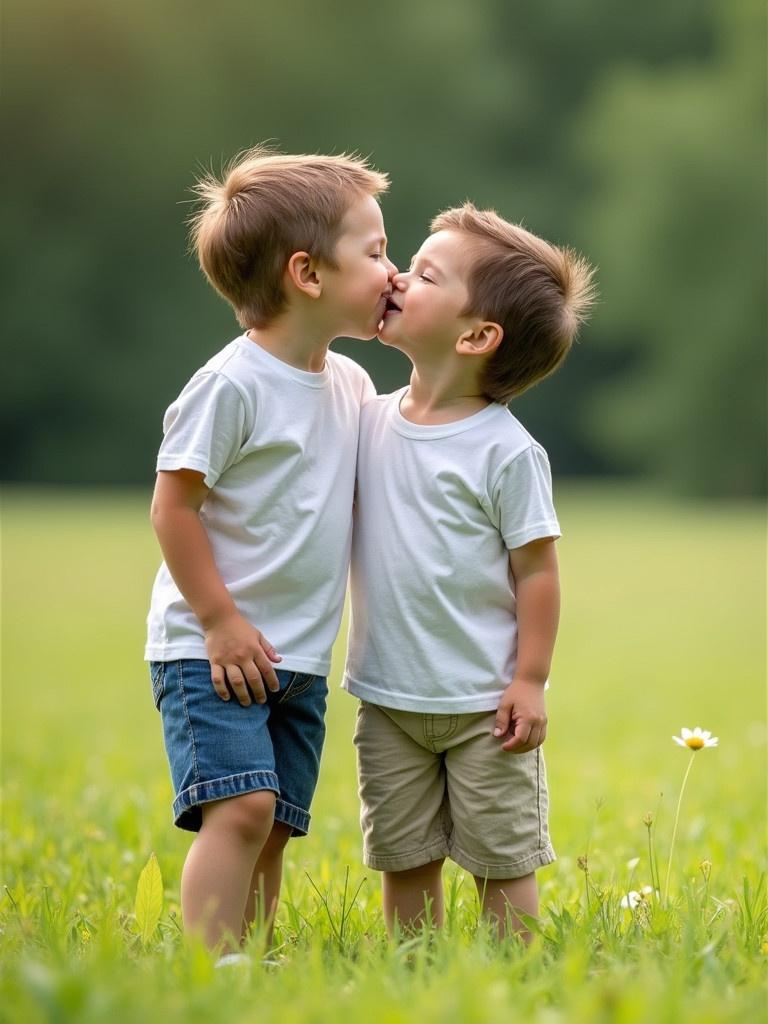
(422, 276)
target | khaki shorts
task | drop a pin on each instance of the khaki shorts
(435, 786)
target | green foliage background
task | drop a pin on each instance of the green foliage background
(635, 133)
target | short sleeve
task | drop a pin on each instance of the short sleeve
(521, 498)
(204, 428)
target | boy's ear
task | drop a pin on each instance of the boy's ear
(482, 340)
(302, 273)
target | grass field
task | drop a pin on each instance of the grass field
(663, 627)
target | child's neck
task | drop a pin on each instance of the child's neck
(434, 398)
(293, 343)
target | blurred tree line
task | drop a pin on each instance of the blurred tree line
(634, 133)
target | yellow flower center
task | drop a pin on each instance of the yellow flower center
(695, 742)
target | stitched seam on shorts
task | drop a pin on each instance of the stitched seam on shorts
(189, 723)
(158, 687)
(441, 847)
(293, 807)
(288, 685)
(290, 691)
(268, 775)
(434, 738)
(439, 841)
(427, 744)
(536, 859)
(188, 799)
(296, 817)
(538, 792)
(451, 727)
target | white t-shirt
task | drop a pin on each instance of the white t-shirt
(433, 623)
(277, 446)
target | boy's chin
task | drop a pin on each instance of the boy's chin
(385, 334)
(386, 339)
(363, 334)
(368, 332)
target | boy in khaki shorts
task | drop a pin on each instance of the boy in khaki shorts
(455, 594)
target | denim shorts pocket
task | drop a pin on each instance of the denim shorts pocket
(157, 674)
(297, 684)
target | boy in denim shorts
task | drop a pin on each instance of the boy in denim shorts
(252, 508)
(455, 595)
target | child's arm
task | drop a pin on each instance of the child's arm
(521, 716)
(237, 651)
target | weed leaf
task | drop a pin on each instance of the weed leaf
(149, 899)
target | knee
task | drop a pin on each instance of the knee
(277, 841)
(248, 818)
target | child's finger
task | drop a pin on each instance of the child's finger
(237, 682)
(521, 737)
(534, 739)
(267, 672)
(270, 651)
(219, 680)
(255, 681)
(501, 725)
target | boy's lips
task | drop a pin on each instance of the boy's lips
(390, 307)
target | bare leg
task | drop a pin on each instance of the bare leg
(405, 895)
(219, 865)
(264, 890)
(502, 897)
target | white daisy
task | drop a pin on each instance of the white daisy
(633, 898)
(696, 738)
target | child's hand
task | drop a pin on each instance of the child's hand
(521, 718)
(241, 656)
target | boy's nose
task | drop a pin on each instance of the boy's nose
(391, 268)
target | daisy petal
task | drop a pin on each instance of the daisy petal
(695, 739)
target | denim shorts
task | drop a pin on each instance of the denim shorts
(219, 749)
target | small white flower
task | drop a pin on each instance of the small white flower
(633, 898)
(696, 739)
(632, 864)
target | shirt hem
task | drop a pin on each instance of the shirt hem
(429, 705)
(292, 663)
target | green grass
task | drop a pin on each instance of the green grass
(664, 626)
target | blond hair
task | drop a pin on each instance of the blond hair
(265, 207)
(537, 292)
